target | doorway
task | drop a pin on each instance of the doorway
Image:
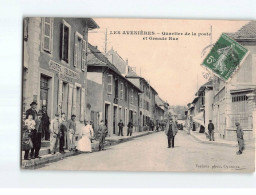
(114, 119)
(44, 88)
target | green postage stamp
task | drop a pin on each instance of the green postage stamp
(225, 57)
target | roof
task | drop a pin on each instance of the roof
(247, 32)
(91, 23)
(132, 74)
(102, 61)
(159, 101)
(203, 87)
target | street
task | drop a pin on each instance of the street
(150, 153)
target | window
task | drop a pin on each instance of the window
(65, 41)
(47, 32)
(121, 91)
(109, 80)
(140, 102)
(78, 50)
(131, 96)
(125, 93)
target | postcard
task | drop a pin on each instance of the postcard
(126, 94)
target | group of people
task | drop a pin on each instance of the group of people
(63, 134)
(121, 126)
(239, 134)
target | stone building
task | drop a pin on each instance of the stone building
(111, 96)
(54, 68)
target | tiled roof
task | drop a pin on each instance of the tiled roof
(100, 59)
(131, 73)
(248, 31)
(158, 100)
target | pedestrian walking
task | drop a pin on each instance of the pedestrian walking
(63, 133)
(45, 124)
(240, 138)
(32, 111)
(171, 131)
(121, 126)
(84, 143)
(71, 128)
(130, 128)
(211, 130)
(37, 136)
(102, 133)
(55, 130)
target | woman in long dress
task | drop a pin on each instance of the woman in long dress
(84, 144)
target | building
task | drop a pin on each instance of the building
(55, 68)
(202, 111)
(159, 109)
(235, 101)
(111, 96)
(147, 97)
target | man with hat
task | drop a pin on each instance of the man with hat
(240, 138)
(32, 111)
(55, 130)
(37, 137)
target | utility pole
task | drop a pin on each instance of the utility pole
(106, 40)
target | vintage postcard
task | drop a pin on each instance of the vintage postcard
(120, 94)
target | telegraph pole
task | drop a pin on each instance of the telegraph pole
(106, 40)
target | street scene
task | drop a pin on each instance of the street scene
(109, 94)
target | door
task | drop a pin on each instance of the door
(44, 81)
(114, 120)
(65, 98)
(106, 114)
(78, 102)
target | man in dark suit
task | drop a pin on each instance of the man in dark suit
(32, 111)
(45, 123)
(120, 125)
(171, 131)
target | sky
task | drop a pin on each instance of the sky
(172, 66)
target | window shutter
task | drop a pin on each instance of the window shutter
(62, 42)
(47, 26)
(75, 50)
(83, 55)
(109, 90)
(121, 90)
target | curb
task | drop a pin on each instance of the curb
(33, 163)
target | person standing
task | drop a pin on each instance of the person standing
(71, 128)
(171, 131)
(55, 130)
(211, 130)
(120, 125)
(84, 143)
(27, 143)
(32, 111)
(130, 127)
(45, 124)
(102, 132)
(63, 132)
(240, 138)
(92, 132)
(37, 137)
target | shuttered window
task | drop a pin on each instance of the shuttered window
(121, 91)
(132, 97)
(47, 34)
(109, 79)
(65, 41)
(84, 55)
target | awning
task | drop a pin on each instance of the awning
(199, 118)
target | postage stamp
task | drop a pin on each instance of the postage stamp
(225, 57)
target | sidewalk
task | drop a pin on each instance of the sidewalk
(218, 141)
(47, 157)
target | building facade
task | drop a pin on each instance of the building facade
(55, 69)
(235, 101)
(111, 96)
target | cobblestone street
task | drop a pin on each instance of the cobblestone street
(150, 153)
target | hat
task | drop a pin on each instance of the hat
(237, 123)
(33, 103)
(57, 114)
(73, 115)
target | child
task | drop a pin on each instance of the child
(30, 123)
